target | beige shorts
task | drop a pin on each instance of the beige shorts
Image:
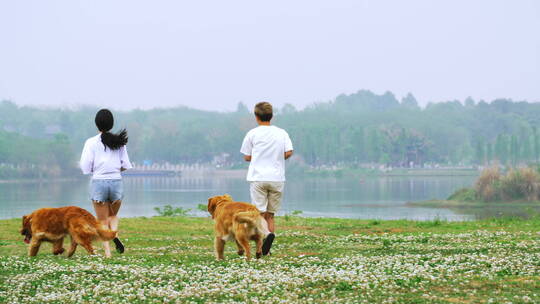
(266, 196)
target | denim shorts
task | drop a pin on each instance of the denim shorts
(106, 190)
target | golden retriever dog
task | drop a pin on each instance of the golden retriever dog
(53, 224)
(236, 221)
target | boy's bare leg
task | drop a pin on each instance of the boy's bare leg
(267, 244)
(269, 217)
(264, 225)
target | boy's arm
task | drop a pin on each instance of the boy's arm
(288, 146)
(246, 148)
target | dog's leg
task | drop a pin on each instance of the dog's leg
(72, 248)
(244, 242)
(34, 247)
(88, 246)
(58, 246)
(240, 249)
(219, 246)
(259, 242)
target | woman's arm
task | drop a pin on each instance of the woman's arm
(87, 159)
(125, 164)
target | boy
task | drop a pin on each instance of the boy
(266, 147)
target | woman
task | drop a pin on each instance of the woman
(105, 156)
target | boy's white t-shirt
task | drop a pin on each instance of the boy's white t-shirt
(267, 146)
(101, 162)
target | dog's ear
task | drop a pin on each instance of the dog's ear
(211, 206)
(227, 197)
(24, 224)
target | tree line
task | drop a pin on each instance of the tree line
(351, 129)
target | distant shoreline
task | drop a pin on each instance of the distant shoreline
(40, 180)
(476, 204)
(241, 173)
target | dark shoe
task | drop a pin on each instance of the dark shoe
(119, 246)
(267, 244)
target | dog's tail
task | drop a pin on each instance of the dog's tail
(254, 219)
(106, 234)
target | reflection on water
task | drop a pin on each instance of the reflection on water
(376, 197)
(381, 197)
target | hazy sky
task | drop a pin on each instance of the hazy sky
(213, 54)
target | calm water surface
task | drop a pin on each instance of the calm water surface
(366, 198)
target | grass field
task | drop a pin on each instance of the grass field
(313, 261)
(520, 209)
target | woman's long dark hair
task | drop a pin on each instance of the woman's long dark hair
(104, 123)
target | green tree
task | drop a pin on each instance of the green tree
(536, 143)
(480, 155)
(489, 153)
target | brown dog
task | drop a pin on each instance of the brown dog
(237, 221)
(53, 224)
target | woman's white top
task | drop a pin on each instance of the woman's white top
(101, 161)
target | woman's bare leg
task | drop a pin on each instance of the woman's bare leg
(102, 213)
(113, 223)
(114, 207)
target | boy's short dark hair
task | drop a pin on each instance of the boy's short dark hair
(263, 111)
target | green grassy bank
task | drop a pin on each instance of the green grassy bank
(313, 261)
(481, 210)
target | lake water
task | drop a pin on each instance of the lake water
(366, 198)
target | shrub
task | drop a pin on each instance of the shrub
(511, 187)
(488, 183)
(463, 195)
(169, 210)
(375, 222)
(530, 183)
(437, 221)
(517, 184)
(295, 213)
